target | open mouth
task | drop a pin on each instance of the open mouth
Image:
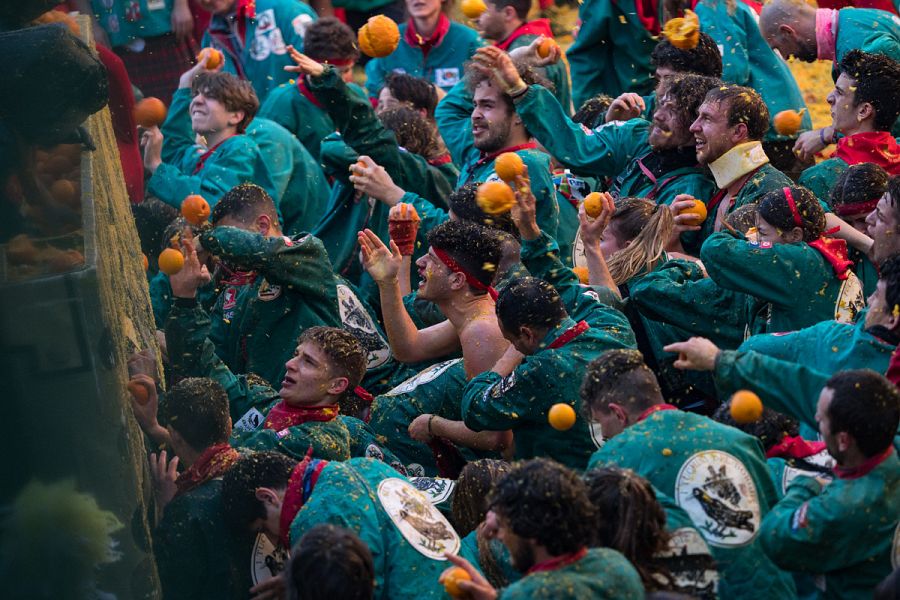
(287, 381)
(700, 144)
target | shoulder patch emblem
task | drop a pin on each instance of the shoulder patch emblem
(357, 321)
(691, 564)
(422, 377)
(300, 23)
(503, 386)
(420, 523)
(266, 560)
(850, 300)
(437, 489)
(268, 292)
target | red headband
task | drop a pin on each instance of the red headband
(334, 61)
(856, 208)
(457, 268)
(798, 221)
(363, 395)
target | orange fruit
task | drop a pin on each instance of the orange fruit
(150, 112)
(495, 197)
(699, 209)
(746, 407)
(544, 47)
(144, 261)
(561, 416)
(65, 192)
(683, 32)
(583, 274)
(788, 122)
(195, 209)
(378, 37)
(171, 261)
(450, 580)
(357, 166)
(139, 391)
(20, 250)
(62, 260)
(508, 166)
(216, 58)
(472, 8)
(593, 204)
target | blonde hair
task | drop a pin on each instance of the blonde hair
(648, 226)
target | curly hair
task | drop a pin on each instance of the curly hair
(329, 39)
(336, 559)
(687, 91)
(414, 132)
(235, 94)
(472, 487)
(417, 91)
(530, 75)
(877, 80)
(530, 302)
(775, 209)
(477, 249)
(592, 113)
(462, 202)
(197, 408)
(346, 354)
(619, 376)
(546, 502)
(704, 59)
(743, 105)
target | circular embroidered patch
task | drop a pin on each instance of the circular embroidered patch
(423, 526)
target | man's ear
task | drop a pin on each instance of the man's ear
(457, 281)
(793, 236)
(787, 30)
(864, 112)
(740, 133)
(338, 385)
(844, 440)
(619, 412)
(235, 117)
(264, 224)
(267, 496)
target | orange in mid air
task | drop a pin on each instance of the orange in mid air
(139, 391)
(378, 37)
(508, 166)
(561, 416)
(495, 197)
(150, 112)
(746, 407)
(171, 261)
(788, 122)
(593, 204)
(683, 32)
(698, 209)
(195, 209)
(472, 8)
(544, 47)
(216, 57)
(450, 580)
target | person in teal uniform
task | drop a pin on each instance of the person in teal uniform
(431, 46)
(542, 513)
(865, 103)
(408, 537)
(846, 530)
(293, 106)
(505, 23)
(336, 559)
(253, 36)
(717, 474)
(217, 107)
(793, 276)
(883, 222)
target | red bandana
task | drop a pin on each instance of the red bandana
(865, 468)
(832, 250)
(415, 40)
(559, 562)
(470, 279)
(301, 85)
(486, 158)
(209, 152)
(856, 208)
(284, 415)
(877, 147)
(213, 463)
(246, 10)
(569, 334)
(300, 485)
(440, 160)
(536, 27)
(653, 409)
(794, 447)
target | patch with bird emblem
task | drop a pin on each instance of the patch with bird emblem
(720, 496)
(423, 526)
(691, 565)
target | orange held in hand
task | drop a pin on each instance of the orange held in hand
(788, 122)
(593, 204)
(216, 57)
(746, 407)
(171, 261)
(508, 166)
(139, 391)
(683, 32)
(561, 417)
(450, 580)
(378, 37)
(195, 209)
(583, 274)
(544, 47)
(495, 197)
(150, 112)
(473, 8)
(698, 209)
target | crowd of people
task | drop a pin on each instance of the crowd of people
(381, 382)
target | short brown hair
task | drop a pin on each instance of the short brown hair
(235, 94)
(328, 39)
(743, 105)
(345, 353)
(622, 377)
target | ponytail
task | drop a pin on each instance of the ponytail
(649, 227)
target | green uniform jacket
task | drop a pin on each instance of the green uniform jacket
(237, 160)
(197, 555)
(124, 22)
(865, 271)
(611, 53)
(297, 176)
(848, 530)
(521, 400)
(261, 60)
(748, 60)
(442, 66)
(329, 440)
(785, 470)
(717, 474)
(161, 297)
(346, 494)
(820, 178)
(789, 286)
(603, 573)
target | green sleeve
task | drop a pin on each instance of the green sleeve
(297, 441)
(178, 134)
(182, 555)
(374, 77)
(278, 107)
(602, 151)
(454, 120)
(591, 50)
(494, 403)
(820, 179)
(541, 257)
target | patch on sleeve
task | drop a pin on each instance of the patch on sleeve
(251, 421)
(504, 385)
(300, 23)
(266, 560)
(799, 520)
(283, 433)
(420, 523)
(446, 77)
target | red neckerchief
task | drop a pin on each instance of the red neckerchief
(893, 370)
(877, 147)
(300, 486)
(440, 160)
(239, 278)
(834, 251)
(283, 415)
(301, 85)
(865, 468)
(536, 27)
(794, 447)
(558, 562)
(415, 40)
(486, 158)
(209, 152)
(569, 334)
(654, 409)
(711, 206)
(246, 10)
(458, 268)
(213, 463)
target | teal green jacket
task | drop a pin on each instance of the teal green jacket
(298, 178)
(786, 470)
(161, 297)
(237, 160)
(603, 573)
(847, 530)
(263, 55)
(558, 74)
(521, 400)
(495, 550)
(329, 440)
(821, 177)
(119, 22)
(718, 475)
(613, 150)
(442, 65)
(611, 53)
(789, 286)
(869, 30)
(346, 494)
(748, 60)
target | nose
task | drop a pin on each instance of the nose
(695, 127)
(421, 263)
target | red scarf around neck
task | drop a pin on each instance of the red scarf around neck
(536, 27)
(299, 488)
(558, 562)
(794, 447)
(877, 147)
(415, 40)
(213, 463)
(865, 468)
(283, 415)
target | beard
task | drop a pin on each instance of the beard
(522, 557)
(498, 133)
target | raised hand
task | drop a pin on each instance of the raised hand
(627, 106)
(164, 473)
(194, 274)
(592, 228)
(372, 179)
(497, 63)
(381, 263)
(524, 211)
(696, 354)
(305, 64)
